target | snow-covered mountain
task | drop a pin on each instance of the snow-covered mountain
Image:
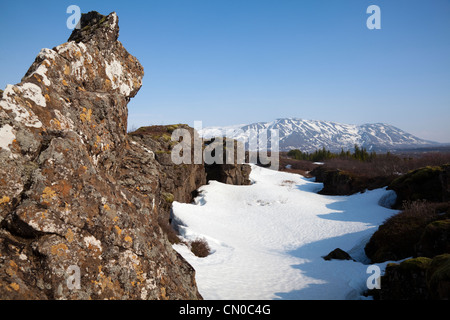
(310, 135)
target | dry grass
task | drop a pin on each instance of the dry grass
(396, 238)
(200, 248)
(287, 183)
(387, 165)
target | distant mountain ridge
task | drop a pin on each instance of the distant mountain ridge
(310, 135)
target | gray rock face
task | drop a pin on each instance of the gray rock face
(74, 190)
(180, 182)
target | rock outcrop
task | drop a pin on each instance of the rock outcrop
(180, 182)
(75, 192)
(421, 231)
(417, 279)
(342, 183)
(230, 171)
(338, 254)
(177, 182)
(430, 183)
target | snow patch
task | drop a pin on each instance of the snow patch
(268, 239)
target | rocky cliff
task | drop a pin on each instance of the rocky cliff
(177, 182)
(180, 182)
(75, 191)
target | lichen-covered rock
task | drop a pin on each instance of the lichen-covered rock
(435, 239)
(231, 171)
(74, 191)
(180, 182)
(438, 277)
(177, 182)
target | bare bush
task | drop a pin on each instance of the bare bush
(200, 248)
(397, 236)
(387, 164)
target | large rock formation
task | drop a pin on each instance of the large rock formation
(178, 182)
(231, 171)
(74, 190)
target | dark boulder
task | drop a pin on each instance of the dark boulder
(338, 254)
(417, 279)
(406, 281)
(429, 183)
(435, 239)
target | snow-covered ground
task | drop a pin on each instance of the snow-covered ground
(268, 239)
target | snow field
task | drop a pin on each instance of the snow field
(268, 239)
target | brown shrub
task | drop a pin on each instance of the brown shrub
(397, 237)
(387, 164)
(301, 167)
(200, 248)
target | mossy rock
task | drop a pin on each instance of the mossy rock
(416, 264)
(435, 239)
(417, 279)
(173, 127)
(406, 281)
(103, 20)
(421, 184)
(439, 277)
(168, 197)
(439, 268)
(166, 137)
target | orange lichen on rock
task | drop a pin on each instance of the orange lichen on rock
(59, 249)
(48, 194)
(15, 286)
(119, 231)
(55, 123)
(12, 269)
(86, 115)
(69, 235)
(4, 200)
(66, 70)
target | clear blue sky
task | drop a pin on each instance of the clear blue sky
(229, 62)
